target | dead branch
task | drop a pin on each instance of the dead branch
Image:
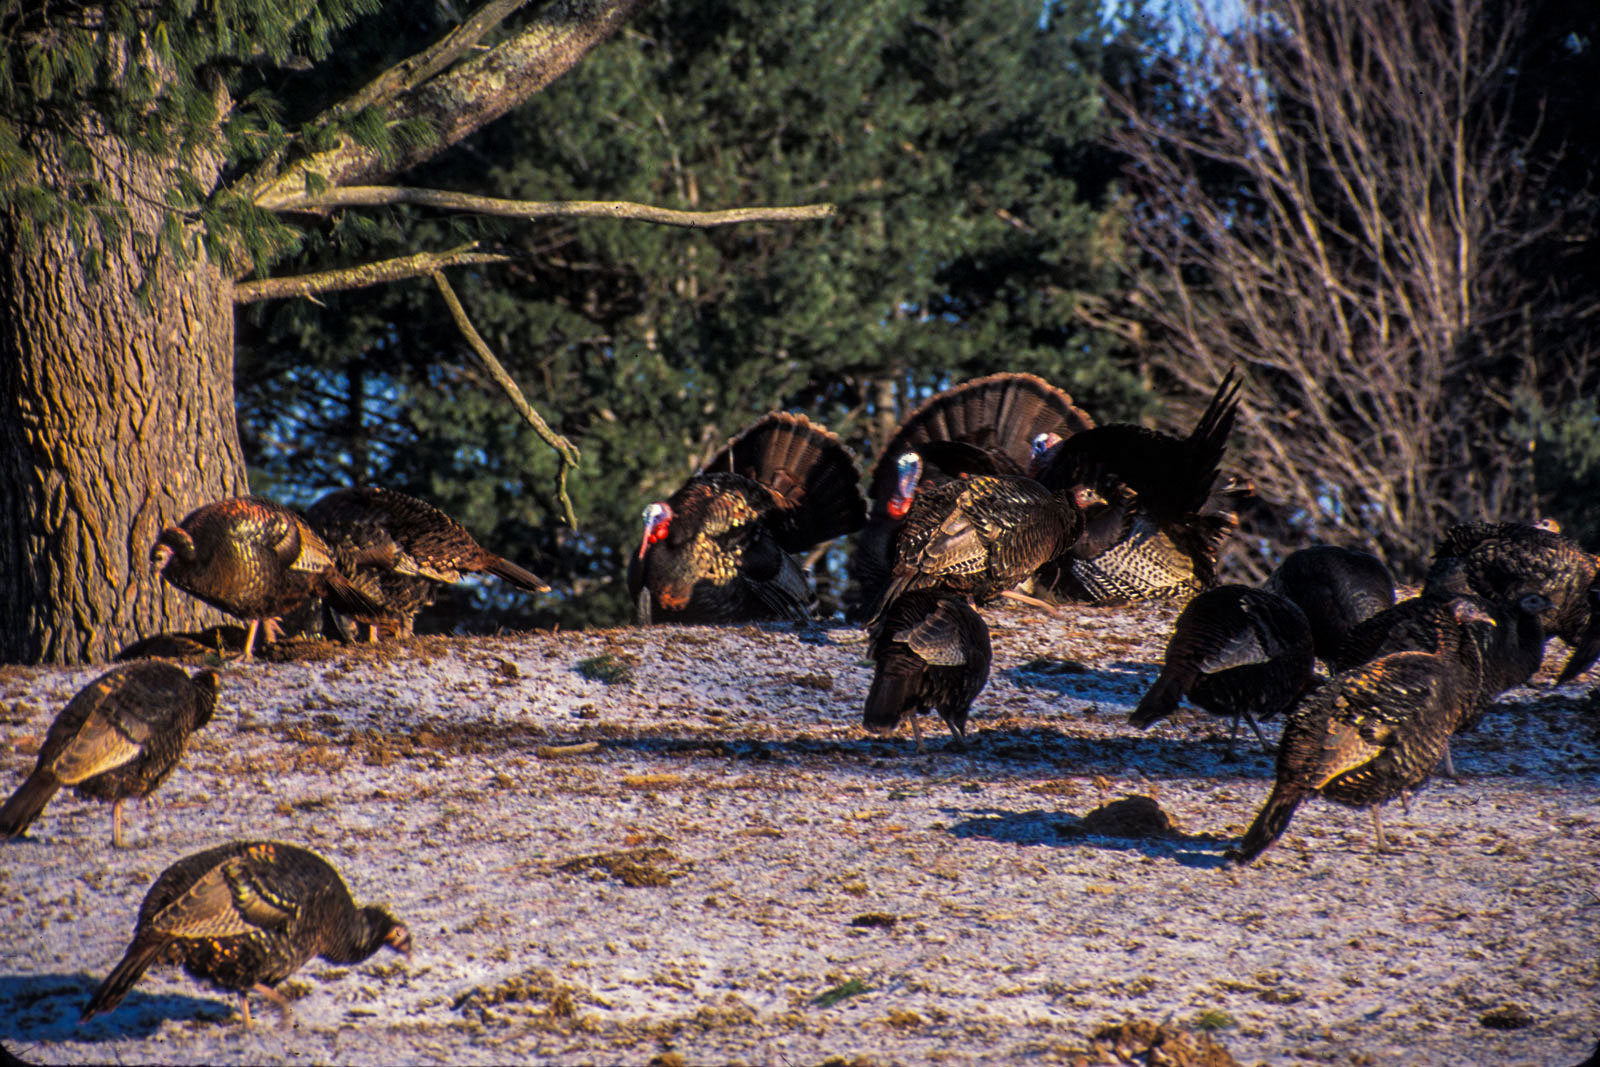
(359, 277)
(386, 195)
(455, 101)
(570, 456)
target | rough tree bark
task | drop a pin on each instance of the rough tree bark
(115, 420)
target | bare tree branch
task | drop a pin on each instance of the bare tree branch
(359, 277)
(568, 452)
(457, 101)
(383, 195)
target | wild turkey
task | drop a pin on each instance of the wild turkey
(1336, 587)
(255, 560)
(396, 548)
(979, 537)
(243, 917)
(1504, 560)
(119, 737)
(1235, 651)
(983, 426)
(1511, 650)
(932, 652)
(1373, 733)
(1167, 510)
(718, 550)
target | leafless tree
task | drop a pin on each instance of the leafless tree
(1331, 195)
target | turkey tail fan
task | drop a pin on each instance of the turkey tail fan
(520, 577)
(1000, 413)
(27, 803)
(1162, 699)
(1270, 822)
(140, 955)
(808, 468)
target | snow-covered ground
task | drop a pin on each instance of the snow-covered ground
(733, 848)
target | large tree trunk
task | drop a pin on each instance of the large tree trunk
(114, 421)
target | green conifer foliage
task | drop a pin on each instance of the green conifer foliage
(974, 222)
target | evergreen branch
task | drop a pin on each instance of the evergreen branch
(454, 102)
(384, 195)
(565, 449)
(386, 270)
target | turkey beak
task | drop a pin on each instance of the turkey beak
(400, 940)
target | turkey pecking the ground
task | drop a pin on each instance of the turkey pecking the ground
(255, 560)
(243, 917)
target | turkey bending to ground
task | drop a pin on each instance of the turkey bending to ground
(1167, 508)
(119, 737)
(1237, 652)
(243, 917)
(983, 426)
(1336, 587)
(1504, 560)
(932, 652)
(255, 560)
(1371, 734)
(979, 537)
(718, 550)
(396, 548)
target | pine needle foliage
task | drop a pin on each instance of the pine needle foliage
(180, 82)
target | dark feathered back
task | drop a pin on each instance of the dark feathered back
(1336, 587)
(932, 651)
(245, 913)
(119, 737)
(1236, 651)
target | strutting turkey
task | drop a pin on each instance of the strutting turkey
(1336, 587)
(983, 426)
(1167, 512)
(255, 560)
(1237, 652)
(1371, 734)
(932, 652)
(243, 917)
(1504, 560)
(119, 737)
(980, 536)
(396, 549)
(718, 549)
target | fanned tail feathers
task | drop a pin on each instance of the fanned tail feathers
(809, 470)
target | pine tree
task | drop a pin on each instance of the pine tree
(974, 234)
(157, 162)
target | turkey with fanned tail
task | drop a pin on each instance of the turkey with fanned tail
(719, 549)
(255, 560)
(932, 652)
(1369, 735)
(1167, 509)
(983, 426)
(1237, 652)
(396, 549)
